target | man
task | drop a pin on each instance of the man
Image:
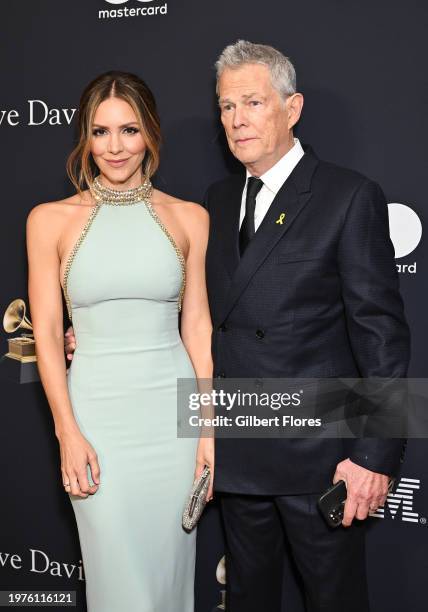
(302, 283)
(314, 296)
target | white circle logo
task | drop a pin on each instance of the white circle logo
(405, 229)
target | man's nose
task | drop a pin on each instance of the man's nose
(239, 117)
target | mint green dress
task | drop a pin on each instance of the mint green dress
(123, 285)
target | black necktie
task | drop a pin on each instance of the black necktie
(247, 230)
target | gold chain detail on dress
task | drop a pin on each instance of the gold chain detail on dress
(106, 195)
(178, 252)
(72, 255)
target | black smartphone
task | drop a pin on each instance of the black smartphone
(332, 502)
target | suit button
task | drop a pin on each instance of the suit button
(222, 328)
(221, 375)
(260, 334)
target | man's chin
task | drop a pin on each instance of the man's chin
(245, 157)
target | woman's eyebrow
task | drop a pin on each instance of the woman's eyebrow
(104, 127)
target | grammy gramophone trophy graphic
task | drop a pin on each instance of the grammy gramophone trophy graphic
(20, 362)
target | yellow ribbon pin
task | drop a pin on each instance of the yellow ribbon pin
(281, 218)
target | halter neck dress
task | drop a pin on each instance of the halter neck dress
(123, 284)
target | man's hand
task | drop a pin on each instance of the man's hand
(366, 490)
(69, 343)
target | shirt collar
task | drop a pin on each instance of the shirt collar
(276, 176)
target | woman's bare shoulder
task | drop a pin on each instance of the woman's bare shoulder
(58, 211)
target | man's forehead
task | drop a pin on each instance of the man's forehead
(247, 80)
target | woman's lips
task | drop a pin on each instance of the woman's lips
(116, 163)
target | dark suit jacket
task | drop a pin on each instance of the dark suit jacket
(318, 297)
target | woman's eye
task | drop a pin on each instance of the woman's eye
(128, 130)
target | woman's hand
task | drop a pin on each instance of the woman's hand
(76, 453)
(69, 343)
(205, 456)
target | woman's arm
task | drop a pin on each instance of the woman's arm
(44, 291)
(196, 326)
(44, 226)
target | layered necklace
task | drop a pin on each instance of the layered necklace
(106, 195)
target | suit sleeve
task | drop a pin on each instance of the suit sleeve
(205, 200)
(377, 327)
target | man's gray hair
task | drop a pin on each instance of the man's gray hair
(243, 52)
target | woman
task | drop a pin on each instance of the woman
(128, 258)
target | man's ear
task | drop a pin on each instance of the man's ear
(294, 107)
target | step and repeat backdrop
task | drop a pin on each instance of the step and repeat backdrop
(362, 69)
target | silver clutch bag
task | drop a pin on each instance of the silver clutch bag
(197, 500)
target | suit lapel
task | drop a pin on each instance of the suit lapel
(230, 212)
(290, 200)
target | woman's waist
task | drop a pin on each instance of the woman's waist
(131, 325)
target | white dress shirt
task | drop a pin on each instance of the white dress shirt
(273, 180)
